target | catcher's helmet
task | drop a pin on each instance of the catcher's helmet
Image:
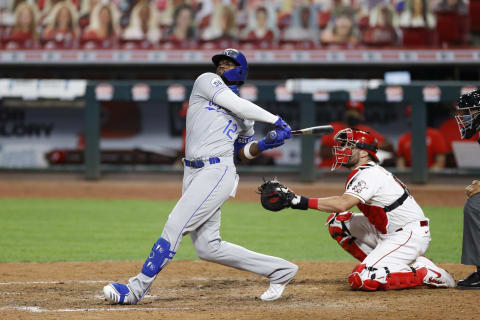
(468, 114)
(347, 139)
(238, 74)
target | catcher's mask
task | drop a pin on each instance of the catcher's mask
(468, 114)
(347, 139)
(238, 74)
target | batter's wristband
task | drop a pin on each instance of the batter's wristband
(246, 150)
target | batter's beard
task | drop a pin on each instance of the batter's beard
(220, 71)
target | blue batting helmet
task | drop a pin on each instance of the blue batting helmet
(237, 74)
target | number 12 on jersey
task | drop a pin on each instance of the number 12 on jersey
(230, 128)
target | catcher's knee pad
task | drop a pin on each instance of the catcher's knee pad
(354, 279)
(338, 229)
(159, 256)
(363, 279)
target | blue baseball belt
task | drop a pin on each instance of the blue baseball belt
(200, 163)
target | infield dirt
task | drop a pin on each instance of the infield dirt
(202, 290)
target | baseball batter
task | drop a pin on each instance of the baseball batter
(468, 120)
(390, 236)
(219, 126)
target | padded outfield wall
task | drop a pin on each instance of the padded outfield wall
(137, 126)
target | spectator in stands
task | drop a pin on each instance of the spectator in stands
(46, 7)
(303, 26)
(85, 11)
(62, 23)
(25, 28)
(336, 7)
(261, 27)
(143, 23)
(458, 6)
(417, 14)
(222, 25)
(103, 26)
(166, 8)
(183, 28)
(382, 29)
(436, 148)
(342, 30)
(354, 117)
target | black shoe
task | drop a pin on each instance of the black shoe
(472, 282)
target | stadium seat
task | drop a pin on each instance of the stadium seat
(323, 18)
(296, 44)
(135, 44)
(378, 37)
(283, 21)
(474, 12)
(417, 37)
(452, 28)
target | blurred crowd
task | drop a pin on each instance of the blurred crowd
(256, 24)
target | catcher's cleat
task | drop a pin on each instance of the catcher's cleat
(436, 277)
(472, 282)
(275, 290)
(117, 293)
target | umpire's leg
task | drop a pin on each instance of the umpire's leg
(471, 242)
(471, 231)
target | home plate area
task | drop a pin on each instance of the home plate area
(203, 290)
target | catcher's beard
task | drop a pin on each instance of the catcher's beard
(353, 160)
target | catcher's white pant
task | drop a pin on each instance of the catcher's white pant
(198, 213)
(382, 255)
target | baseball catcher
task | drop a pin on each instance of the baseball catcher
(468, 120)
(389, 237)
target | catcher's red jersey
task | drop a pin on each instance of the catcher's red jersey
(376, 188)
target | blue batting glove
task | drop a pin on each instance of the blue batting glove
(281, 125)
(272, 140)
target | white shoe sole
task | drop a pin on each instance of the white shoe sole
(277, 289)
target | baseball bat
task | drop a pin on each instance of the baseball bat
(318, 130)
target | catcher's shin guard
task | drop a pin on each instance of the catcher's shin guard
(158, 258)
(339, 231)
(373, 279)
(403, 280)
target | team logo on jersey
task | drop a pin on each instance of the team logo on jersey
(216, 82)
(360, 186)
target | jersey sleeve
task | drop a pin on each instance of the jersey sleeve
(363, 185)
(209, 85)
(247, 128)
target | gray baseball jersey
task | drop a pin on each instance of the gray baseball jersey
(211, 129)
(211, 132)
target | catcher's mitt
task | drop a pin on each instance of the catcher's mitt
(274, 196)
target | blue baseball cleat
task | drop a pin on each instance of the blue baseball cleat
(117, 293)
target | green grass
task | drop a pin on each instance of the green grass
(85, 230)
